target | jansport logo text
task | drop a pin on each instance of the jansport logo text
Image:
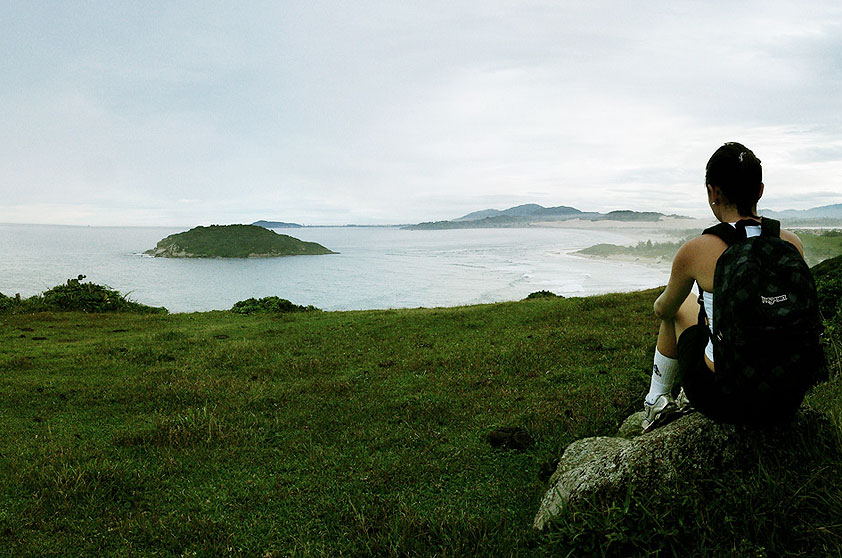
(770, 300)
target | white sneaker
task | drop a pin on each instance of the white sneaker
(684, 405)
(655, 414)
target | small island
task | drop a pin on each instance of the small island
(233, 241)
(277, 224)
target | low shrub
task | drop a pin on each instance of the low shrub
(542, 294)
(76, 296)
(828, 276)
(269, 304)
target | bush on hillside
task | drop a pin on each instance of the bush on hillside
(542, 294)
(76, 296)
(6, 302)
(828, 276)
(830, 297)
(269, 304)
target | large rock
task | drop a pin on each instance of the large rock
(690, 447)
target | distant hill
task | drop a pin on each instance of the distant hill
(276, 225)
(526, 210)
(233, 241)
(824, 215)
(478, 215)
(628, 215)
(525, 215)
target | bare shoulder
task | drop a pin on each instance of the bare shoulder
(701, 246)
(793, 239)
(688, 251)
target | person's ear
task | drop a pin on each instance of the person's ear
(713, 194)
(760, 195)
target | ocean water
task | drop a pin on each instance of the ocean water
(375, 268)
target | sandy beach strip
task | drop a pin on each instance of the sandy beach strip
(667, 229)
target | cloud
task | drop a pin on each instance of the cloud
(337, 112)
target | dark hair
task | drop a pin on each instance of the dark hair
(736, 171)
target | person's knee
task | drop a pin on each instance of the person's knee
(687, 315)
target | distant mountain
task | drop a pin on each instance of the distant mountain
(528, 214)
(479, 215)
(276, 225)
(817, 215)
(526, 210)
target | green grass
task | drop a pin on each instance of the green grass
(334, 433)
(820, 245)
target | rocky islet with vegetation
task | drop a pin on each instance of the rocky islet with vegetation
(233, 241)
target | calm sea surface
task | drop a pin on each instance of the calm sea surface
(375, 267)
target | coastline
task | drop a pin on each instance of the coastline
(375, 268)
(668, 229)
(656, 262)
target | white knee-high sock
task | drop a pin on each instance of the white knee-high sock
(664, 371)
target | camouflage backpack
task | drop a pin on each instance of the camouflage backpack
(767, 327)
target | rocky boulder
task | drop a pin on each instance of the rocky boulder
(690, 447)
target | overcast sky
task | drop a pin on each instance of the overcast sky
(186, 113)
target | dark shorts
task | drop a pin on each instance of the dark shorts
(705, 391)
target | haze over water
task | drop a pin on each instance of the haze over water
(375, 268)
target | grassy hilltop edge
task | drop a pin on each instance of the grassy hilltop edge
(364, 433)
(233, 241)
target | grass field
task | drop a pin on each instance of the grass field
(820, 245)
(349, 433)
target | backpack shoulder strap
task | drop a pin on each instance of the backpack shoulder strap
(726, 232)
(770, 227)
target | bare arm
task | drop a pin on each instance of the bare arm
(680, 282)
